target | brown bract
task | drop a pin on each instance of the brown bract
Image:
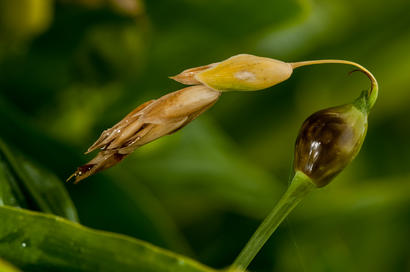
(187, 76)
(148, 122)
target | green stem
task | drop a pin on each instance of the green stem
(299, 187)
(371, 94)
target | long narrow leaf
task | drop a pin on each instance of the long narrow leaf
(45, 189)
(41, 242)
(10, 193)
(7, 267)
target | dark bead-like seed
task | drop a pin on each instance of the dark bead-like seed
(328, 141)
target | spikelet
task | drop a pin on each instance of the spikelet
(146, 123)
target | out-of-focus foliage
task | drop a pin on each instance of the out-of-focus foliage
(25, 184)
(71, 68)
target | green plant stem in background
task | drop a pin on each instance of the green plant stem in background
(299, 187)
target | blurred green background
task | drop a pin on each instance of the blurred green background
(71, 68)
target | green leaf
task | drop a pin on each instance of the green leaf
(38, 185)
(10, 193)
(41, 242)
(6, 267)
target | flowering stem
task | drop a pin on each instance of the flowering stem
(299, 187)
(371, 94)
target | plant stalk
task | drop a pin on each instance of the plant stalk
(371, 94)
(299, 187)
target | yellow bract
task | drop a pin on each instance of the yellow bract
(245, 73)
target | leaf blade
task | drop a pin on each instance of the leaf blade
(43, 187)
(39, 242)
(7, 267)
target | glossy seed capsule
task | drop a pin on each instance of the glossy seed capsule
(328, 141)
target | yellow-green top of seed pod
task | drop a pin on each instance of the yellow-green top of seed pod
(245, 73)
